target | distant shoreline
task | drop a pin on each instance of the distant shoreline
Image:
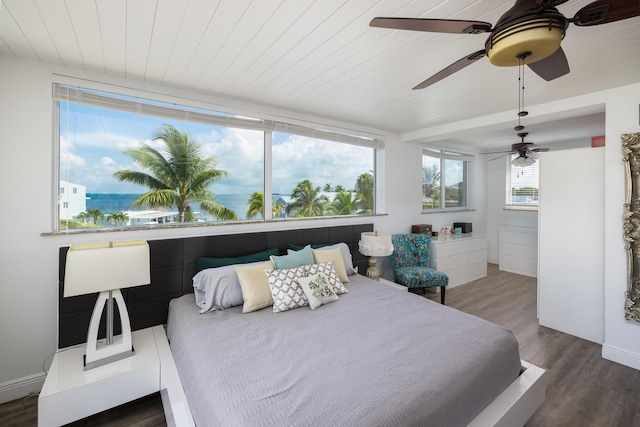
(119, 202)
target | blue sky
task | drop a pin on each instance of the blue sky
(92, 142)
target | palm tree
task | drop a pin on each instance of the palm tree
(327, 187)
(364, 193)
(307, 201)
(96, 214)
(343, 203)
(118, 218)
(177, 175)
(431, 187)
(82, 217)
(256, 206)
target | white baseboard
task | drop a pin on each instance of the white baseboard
(491, 260)
(518, 271)
(21, 387)
(620, 356)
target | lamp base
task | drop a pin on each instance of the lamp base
(113, 348)
(372, 271)
(107, 360)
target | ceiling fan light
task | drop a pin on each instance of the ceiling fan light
(540, 38)
(518, 161)
(522, 161)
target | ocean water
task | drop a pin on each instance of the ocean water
(110, 203)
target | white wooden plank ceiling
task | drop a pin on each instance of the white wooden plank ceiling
(314, 56)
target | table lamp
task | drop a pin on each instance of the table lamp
(107, 268)
(374, 244)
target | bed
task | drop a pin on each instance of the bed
(377, 356)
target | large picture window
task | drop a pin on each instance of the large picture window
(445, 177)
(523, 184)
(126, 162)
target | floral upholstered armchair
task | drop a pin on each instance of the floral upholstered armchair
(410, 261)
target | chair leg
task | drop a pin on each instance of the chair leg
(442, 289)
(423, 289)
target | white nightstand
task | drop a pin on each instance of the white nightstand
(393, 284)
(70, 393)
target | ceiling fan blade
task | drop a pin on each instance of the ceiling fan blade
(456, 66)
(499, 157)
(500, 152)
(540, 150)
(605, 11)
(432, 25)
(551, 67)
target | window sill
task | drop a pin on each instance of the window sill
(447, 210)
(199, 224)
(521, 208)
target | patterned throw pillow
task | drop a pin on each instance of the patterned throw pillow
(318, 290)
(328, 270)
(285, 290)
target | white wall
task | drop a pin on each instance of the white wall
(621, 337)
(29, 261)
(571, 256)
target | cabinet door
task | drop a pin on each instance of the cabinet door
(571, 242)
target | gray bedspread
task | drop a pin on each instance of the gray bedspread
(376, 357)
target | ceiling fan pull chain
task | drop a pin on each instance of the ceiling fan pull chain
(521, 81)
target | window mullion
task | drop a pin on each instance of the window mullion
(442, 184)
(268, 185)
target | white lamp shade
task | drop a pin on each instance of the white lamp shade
(375, 244)
(100, 267)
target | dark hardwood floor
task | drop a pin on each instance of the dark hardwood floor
(583, 389)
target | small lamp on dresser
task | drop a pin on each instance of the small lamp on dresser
(106, 268)
(374, 244)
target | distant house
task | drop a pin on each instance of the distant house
(150, 217)
(72, 200)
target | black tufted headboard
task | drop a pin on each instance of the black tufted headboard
(173, 266)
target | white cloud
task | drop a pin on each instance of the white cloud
(298, 158)
(240, 152)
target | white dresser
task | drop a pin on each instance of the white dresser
(463, 257)
(519, 250)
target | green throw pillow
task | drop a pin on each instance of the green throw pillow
(313, 246)
(206, 262)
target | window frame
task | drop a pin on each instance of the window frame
(468, 166)
(267, 126)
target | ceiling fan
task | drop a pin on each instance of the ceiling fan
(528, 33)
(527, 152)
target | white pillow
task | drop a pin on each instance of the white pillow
(217, 289)
(254, 285)
(327, 269)
(317, 290)
(285, 290)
